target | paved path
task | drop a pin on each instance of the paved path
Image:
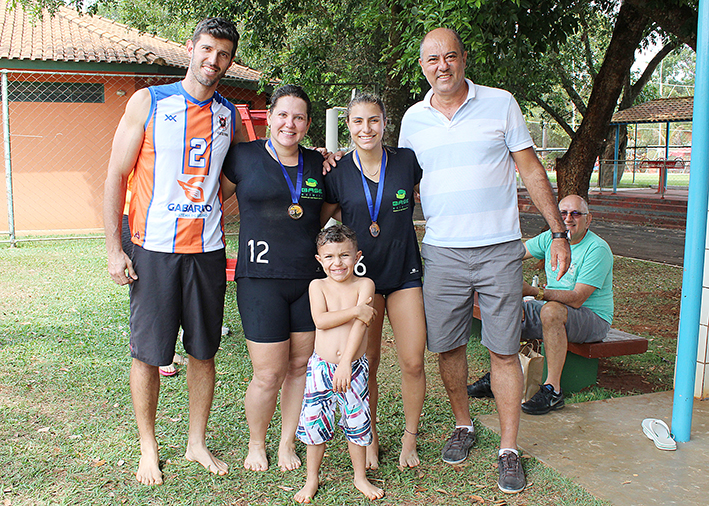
(601, 446)
(664, 245)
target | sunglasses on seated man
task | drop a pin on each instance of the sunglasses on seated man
(574, 214)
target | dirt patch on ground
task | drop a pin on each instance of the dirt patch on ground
(621, 380)
(652, 314)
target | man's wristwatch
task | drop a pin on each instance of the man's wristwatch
(540, 294)
(561, 235)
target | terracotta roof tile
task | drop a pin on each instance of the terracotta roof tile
(70, 37)
(657, 111)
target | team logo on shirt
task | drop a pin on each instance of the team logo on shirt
(223, 124)
(195, 193)
(192, 189)
(310, 190)
(401, 203)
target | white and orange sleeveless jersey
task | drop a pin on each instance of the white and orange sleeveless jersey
(176, 205)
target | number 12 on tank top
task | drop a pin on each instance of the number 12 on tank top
(258, 257)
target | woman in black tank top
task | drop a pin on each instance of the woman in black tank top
(374, 187)
(280, 189)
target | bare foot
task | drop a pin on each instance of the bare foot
(200, 453)
(409, 456)
(149, 467)
(370, 491)
(372, 454)
(305, 494)
(256, 460)
(287, 458)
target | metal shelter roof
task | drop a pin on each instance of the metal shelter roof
(660, 110)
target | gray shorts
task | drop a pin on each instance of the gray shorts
(453, 275)
(582, 324)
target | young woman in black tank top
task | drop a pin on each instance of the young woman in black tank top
(374, 187)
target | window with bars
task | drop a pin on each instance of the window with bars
(26, 91)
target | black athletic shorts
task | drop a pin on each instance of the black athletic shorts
(271, 309)
(416, 283)
(176, 289)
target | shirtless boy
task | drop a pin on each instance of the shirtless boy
(338, 370)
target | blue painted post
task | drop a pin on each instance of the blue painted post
(695, 240)
(615, 158)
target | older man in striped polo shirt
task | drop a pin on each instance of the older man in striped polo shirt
(468, 139)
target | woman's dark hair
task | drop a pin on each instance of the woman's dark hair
(291, 90)
(366, 98)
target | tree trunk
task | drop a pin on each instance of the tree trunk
(396, 98)
(575, 167)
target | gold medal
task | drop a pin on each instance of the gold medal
(374, 229)
(295, 211)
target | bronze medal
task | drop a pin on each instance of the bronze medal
(374, 229)
(295, 211)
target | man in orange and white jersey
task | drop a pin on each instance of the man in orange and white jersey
(174, 137)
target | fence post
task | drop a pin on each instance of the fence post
(331, 134)
(8, 160)
(615, 161)
(332, 115)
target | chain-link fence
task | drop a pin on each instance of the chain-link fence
(57, 134)
(660, 173)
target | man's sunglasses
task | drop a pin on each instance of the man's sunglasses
(574, 214)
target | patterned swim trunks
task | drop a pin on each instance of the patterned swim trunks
(317, 415)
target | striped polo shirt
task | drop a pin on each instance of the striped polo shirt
(176, 205)
(468, 189)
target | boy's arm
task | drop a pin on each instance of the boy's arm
(325, 319)
(342, 378)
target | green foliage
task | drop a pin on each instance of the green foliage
(147, 17)
(676, 73)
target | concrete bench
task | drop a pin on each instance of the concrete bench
(581, 367)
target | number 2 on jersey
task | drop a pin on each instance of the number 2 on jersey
(258, 257)
(198, 147)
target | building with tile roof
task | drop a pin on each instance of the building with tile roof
(660, 110)
(69, 40)
(69, 77)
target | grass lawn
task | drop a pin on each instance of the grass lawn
(69, 437)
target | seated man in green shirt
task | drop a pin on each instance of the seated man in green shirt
(578, 308)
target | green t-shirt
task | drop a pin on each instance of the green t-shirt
(591, 264)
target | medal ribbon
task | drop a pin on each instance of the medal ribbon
(373, 207)
(294, 192)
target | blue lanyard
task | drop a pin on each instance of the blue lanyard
(294, 192)
(373, 207)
